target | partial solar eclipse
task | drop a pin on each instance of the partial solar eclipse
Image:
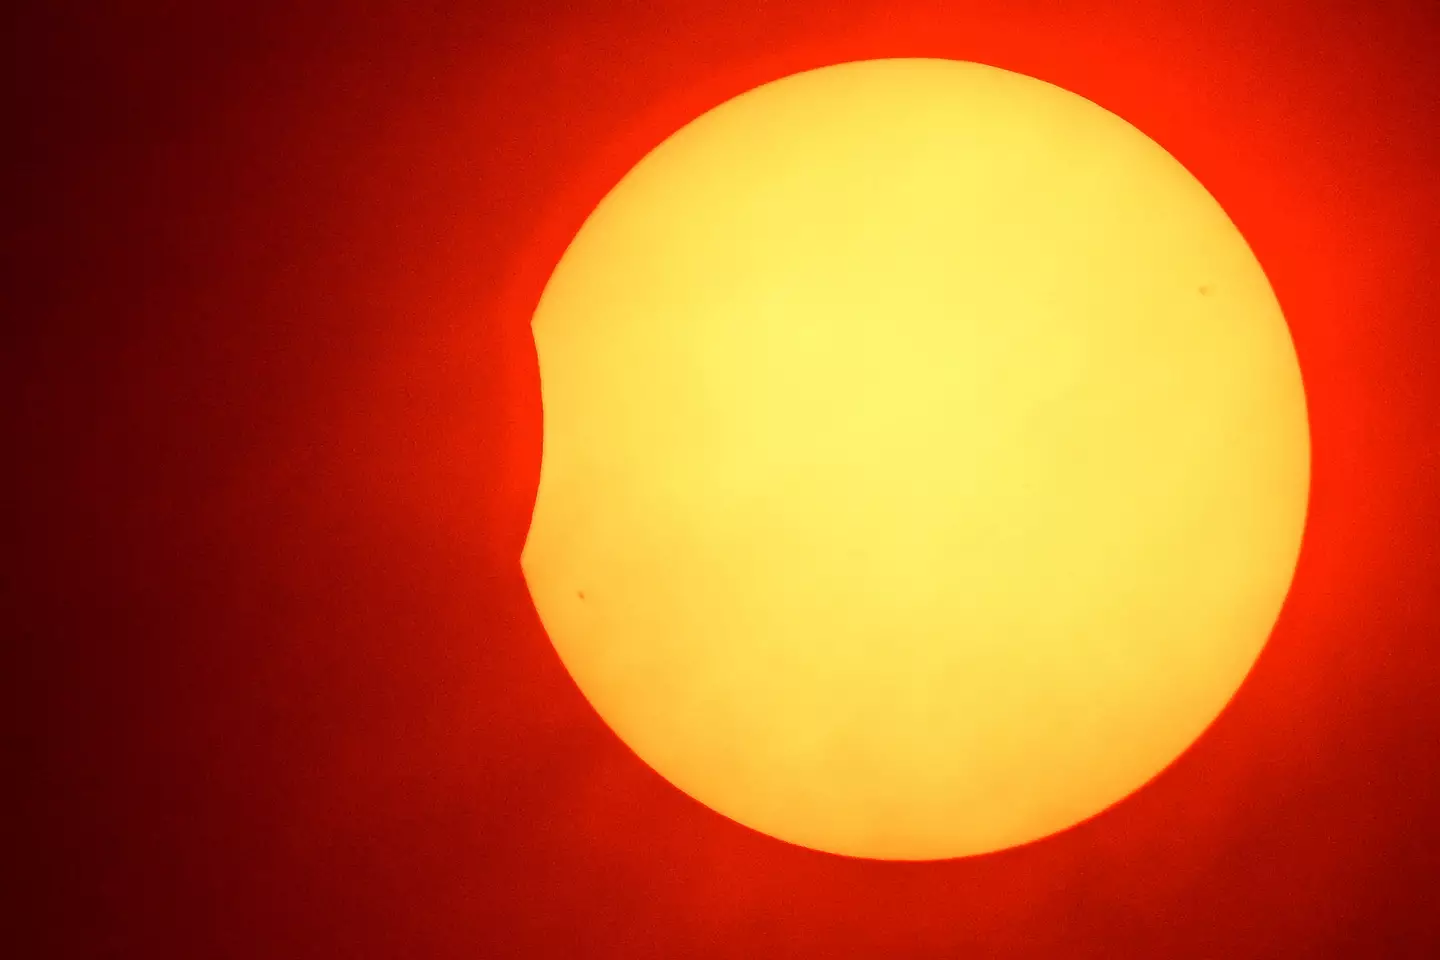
(925, 459)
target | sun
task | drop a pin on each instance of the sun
(925, 459)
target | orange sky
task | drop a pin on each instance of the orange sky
(283, 691)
